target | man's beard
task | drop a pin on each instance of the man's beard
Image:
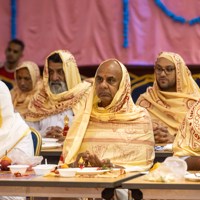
(57, 87)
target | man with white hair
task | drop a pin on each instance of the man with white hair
(55, 104)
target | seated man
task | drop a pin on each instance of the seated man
(187, 141)
(55, 104)
(14, 53)
(14, 133)
(111, 127)
(27, 83)
(172, 95)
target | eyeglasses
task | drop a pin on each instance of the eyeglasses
(159, 70)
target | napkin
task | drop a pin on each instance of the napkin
(172, 169)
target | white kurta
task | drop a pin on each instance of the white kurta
(12, 129)
(53, 120)
(24, 151)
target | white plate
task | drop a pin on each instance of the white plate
(91, 171)
(192, 177)
(51, 145)
(67, 172)
(49, 140)
(168, 147)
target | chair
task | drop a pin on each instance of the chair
(37, 144)
(37, 141)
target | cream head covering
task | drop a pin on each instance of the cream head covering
(45, 103)
(33, 70)
(22, 99)
(170, 108)
(70, 69)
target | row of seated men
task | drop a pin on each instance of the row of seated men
(99, 118)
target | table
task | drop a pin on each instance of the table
(159, 190)
(38, 186)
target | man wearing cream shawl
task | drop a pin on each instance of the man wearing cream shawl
(27, 83)
(173, 93)
(187, 141)
(59, 98)
(111, 127)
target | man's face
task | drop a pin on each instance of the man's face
(13, 53)
(24, 80)
(165, 75)
(107, 82)
(57, 81)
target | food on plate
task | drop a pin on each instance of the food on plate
(17, 174)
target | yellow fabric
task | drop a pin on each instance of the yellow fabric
(45, 103)
(170, 108)
(121, 131)
(187, 141)
(13, 128)
(22, 99)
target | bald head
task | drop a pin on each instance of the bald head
(107, 81)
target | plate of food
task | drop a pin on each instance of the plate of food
(49, 140)
(51, 145)
(192, 177)
(91, 171)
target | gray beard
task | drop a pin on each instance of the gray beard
(57, 87)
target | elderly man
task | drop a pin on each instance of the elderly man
(14, 52)
(58, 101)
(111, 130)
(111, 126)
(172, 95)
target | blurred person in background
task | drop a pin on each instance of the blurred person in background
(13, 53)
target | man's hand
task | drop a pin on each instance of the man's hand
(86, 159)
(161, 134)
(92, 160)
(55, 132)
